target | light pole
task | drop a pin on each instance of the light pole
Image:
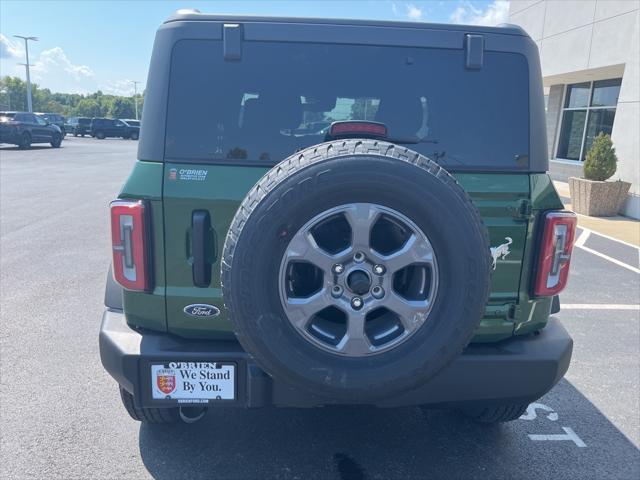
(26, 51)
(135, 95)
(6, 92)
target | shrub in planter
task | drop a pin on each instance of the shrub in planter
(593, 195)
(601, 160)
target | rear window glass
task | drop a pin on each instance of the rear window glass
(282, 97)
(6, 116)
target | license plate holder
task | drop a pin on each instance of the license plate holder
(194, 382)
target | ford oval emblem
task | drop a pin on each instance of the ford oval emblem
(201, 310)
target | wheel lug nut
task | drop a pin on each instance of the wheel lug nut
(338, 268)
(336, 291)
(377, 292)
(379, 269)
(358, 257)
(357, 303)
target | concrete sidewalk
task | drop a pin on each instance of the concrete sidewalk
(619, 227)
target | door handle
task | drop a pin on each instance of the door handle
(201, 243)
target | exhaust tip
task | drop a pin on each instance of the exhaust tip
(192, 414)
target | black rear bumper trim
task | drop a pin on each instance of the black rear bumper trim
(518, 370)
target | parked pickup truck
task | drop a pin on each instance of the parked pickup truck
(409, 253)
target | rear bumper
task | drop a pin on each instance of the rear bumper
(516, 370)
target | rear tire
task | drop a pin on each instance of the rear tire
(496, 413)
(100, 135)
(134, 136)
(151, 415)
(25, 141)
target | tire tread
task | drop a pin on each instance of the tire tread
(498, 413)
(151, 415)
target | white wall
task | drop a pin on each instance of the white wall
(584, 40)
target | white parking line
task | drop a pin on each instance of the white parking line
(569, 435)
(611, 259)
(584, 236)
(584, 229)
(598, 306)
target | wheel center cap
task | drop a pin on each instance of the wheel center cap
(359, 282)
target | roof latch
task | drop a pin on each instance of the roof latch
(474, 45)
(232, 41)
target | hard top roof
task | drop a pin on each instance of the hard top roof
(188, 15)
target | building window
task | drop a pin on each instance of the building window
(589, 108)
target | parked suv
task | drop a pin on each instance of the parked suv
(24, 128)
(112, 127)
(55, 119)
(131, 122)
(79, 126)
(411, 253)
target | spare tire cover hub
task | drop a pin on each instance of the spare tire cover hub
(365, 295)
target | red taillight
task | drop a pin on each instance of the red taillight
(555, 254)
(129, 238)
(357, 128)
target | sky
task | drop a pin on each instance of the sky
(85, 46)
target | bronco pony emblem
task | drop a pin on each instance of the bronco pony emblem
(501, 251)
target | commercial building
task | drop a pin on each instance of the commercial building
(589, 50)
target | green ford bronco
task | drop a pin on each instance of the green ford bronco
(337, 212)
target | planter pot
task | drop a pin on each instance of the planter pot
(597, 199)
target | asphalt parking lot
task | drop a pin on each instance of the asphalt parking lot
(61, 416)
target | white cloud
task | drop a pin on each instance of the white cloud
(54, 70)
(494, 14)
(54, 61)
(122, 87)
(413, 12)
(50, 69)
(407, 10)
(10, 48)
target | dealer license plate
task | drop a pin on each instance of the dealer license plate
(193, 382)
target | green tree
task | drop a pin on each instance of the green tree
(16, 92)
(68, 104)
(88, 107)
(601, 161)
(122, 107)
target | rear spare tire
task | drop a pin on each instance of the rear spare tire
(356, 270)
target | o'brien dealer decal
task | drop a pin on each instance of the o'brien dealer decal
(188, 174)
